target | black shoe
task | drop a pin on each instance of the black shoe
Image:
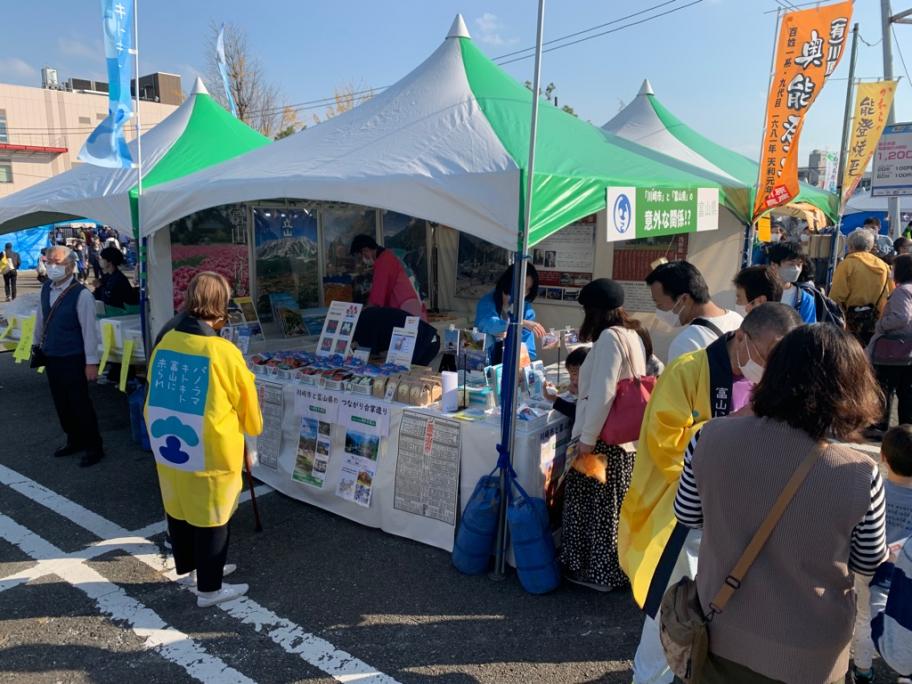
(91, 458)
(67, 450)
(862, 676)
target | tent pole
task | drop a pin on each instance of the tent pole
(843, 149)
(514, 338)
(142, 266)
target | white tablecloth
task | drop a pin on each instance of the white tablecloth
(534, 451)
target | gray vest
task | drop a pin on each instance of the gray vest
(792, 618)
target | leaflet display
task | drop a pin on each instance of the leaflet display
(339, 328)
(272, 405)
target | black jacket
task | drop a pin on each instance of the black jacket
(115, 290)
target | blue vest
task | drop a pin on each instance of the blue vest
(64, 334)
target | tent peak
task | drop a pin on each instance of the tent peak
(646, 88)
(458, 29)
(198, 87)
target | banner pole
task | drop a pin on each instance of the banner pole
(142, 265)
(843, 148)
(511, 356)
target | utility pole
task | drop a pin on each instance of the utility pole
(887, 19)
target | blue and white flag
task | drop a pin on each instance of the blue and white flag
(106, 146)
(223, 69)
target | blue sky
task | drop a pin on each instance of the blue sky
(708, 63)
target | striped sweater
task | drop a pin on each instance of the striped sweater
(891, 608)
(793, 615)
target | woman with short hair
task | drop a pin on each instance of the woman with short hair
(791, 618)
(202, 401)
(114, 288)
(896, 320)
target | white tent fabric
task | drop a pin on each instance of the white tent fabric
(422, 147)
(638, 123)
(94, 192)
(863, 202)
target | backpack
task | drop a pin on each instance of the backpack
(827, 311)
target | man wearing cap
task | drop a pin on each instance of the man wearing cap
(114, 289)
(391, 286)
(653, 548)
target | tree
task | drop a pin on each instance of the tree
(257, 100)
(290, 124)
(551, 97)
(345, 98)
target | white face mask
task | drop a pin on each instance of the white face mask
(56, 272)
(671, 318)
(741, 310)
(751, 371)
(789, 274)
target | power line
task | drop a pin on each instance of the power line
(899, 50)
(605, 33)
(591, 28)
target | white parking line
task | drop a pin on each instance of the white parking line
(318, 652)
(113, 601)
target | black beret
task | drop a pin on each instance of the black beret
(602, 293)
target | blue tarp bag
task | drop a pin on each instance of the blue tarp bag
(477, 533)
(530, 534)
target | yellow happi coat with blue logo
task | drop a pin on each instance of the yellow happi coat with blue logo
(202, 400)
(679, 406)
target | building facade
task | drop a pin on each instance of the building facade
(42, 130)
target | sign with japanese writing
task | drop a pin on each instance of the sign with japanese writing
(656, 212)
(810, 45)
(872, 107)
(339, 329)
(365, 414)
(892, 172)
(178, 390)
(317, 403)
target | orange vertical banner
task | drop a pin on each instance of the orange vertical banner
(810, 45)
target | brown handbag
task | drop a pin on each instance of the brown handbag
(683, 624)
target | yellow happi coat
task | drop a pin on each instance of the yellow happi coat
(679, 405)
(202, 400)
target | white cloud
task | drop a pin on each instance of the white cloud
(73, 47)
(490, 30)
(17, 70)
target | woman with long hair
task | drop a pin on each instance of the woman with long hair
(493, 314)
(600, 475)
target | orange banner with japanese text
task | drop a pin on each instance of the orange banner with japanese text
(810, 45)
(872, 107)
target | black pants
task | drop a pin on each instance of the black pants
(9, 284)
(896, 379)
(203, 549)
(96, 268)
(70, 390)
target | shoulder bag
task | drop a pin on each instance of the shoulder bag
(38, 358)
(626, 415)
(683, 629)
(894, 349)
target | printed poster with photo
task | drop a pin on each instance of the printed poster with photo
(366, 422)
(402, 347)
(339, 329)
(565, 261)
(314, 451)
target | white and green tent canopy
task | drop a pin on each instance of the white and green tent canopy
(197, 134)
(448, 143)
(647, 122)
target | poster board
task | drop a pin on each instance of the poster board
(402, 346)
(339, 328)
(272, 405)
(566, 261)
(633, 260)
(891, 174)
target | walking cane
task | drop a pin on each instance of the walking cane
(256, 511)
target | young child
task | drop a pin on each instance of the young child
(573, 363)
(896, 453)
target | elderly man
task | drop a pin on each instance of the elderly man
(861, 285)
(67, 336)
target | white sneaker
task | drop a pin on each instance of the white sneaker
(228, 592)
(189, 580)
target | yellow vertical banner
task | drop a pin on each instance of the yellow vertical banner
(872, 107)
(808, 50)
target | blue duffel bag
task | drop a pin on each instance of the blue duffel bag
(530, 534)
(477, 532)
